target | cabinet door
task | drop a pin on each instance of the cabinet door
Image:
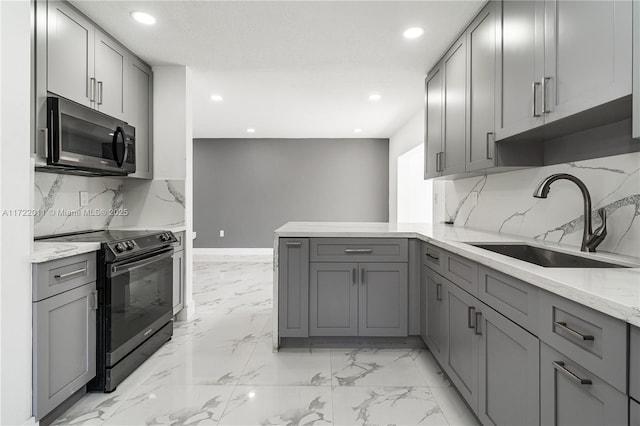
(64, 346)
(636, 70)
(509, 382)
(436, 316)
(110, 72)
(433, 124)
(383, 299)
(634, 413)
(333, 302)
(481, 51)
(520, 67)
(587, 55)
(178, 281)
(455, 83)
(564, 400)
(70, 53)
(293, 287)
(139, 113)
(424, 309)
(462, 356)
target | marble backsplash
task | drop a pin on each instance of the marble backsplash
(505, 202)
(112, 203)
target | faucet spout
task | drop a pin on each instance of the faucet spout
(589, 240)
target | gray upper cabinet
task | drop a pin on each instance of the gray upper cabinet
(64, 346)
(383, 299)
(636, 70)
(110, 75)
(587, 55)
(70, 53)
(454, 66)
(436, 318)
(293, 287)
(333, 299)
(481, 56)
(509, 367)
(520, 67)
(139, 113)
(572, 395)
(434, 120)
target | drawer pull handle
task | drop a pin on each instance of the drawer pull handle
(94, 300)
(478, 329)
(430, 256)
(559, 365)
(68, 274)
(439, 292)
(364, 250)
(471, 311)
(292, 243)
(572, 332)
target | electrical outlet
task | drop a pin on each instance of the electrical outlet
(222, 232)
(84, 198)
(195, 235)
(474, 198)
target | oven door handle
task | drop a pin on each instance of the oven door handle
(118, 269)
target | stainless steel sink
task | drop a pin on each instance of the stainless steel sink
(545, 257)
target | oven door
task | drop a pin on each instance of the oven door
(139, 301)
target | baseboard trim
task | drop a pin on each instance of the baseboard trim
(233, 252)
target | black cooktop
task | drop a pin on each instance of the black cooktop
(104, 236)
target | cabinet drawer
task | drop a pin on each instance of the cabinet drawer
(359, 250)
(634, 363)
(461, 271)
(60, 275)
(634, 413)
(432, 257)
(596, 341)
(564, 400)
(180, 244)
(513, 298)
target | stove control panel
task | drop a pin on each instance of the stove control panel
(143, 244)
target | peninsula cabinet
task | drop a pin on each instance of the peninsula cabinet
(558, 58)
(436, 318)
(293, 287)
(178, 273)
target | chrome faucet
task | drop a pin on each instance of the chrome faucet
(590, 239)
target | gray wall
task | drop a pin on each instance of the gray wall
(250, 187)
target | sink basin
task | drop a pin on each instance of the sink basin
(545, 257)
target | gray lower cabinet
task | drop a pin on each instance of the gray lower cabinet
(333, 299)
(436, 318)
(293, 287)
(634, 362)
(509, 368)
(64, 346)
(178, 281)
(383, 299)
(634, 412)
(572, 395)
(461, 361)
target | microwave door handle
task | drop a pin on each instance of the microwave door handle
(126, 149)
(116, 270)
(114, 145)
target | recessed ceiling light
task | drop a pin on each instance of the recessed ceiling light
(216, 98)
(357, 130)
(413, 32)
(375, 97)
(143, 18)
(251, 130)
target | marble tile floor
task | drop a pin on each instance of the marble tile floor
(219, 369)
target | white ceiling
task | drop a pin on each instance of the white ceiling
(293, 68)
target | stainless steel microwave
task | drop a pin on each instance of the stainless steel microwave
(80, 140)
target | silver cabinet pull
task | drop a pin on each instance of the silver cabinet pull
(534, 86)
(92, 89)
(477, 328)
(293, 244)
(94, 300)
(471, 311)
(44, 151)
(563, 326)
(559, 365)
(439, 292)
(489, 136)
(430, 256)
(364, 250)
(362, 276)
(99, 93)
(438, 162)
(544, 95)
(68, 274)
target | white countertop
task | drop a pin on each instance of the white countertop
(46, 251)
(613, 291)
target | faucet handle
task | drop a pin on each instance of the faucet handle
(600, 233)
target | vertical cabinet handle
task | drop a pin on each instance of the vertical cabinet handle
(353, 276)
(92, 89)
(362, 276)
(99, 93)
(534, 105)
(559, 365)
(439, 292)
(478, 329)
(544, 95)
(94, 300)
(44, 151)
(438, 162)
(490, 136)
(471, 311)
